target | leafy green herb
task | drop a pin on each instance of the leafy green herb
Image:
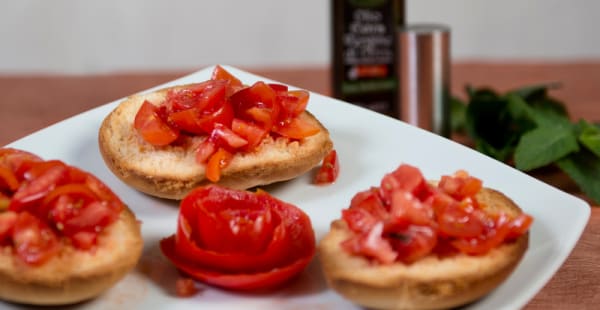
(529, 129)
(543, 146)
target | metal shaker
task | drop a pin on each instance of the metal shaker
(424, 76)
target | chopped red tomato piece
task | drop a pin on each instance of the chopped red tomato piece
(223, 136)
(252, 133)
(34, 191)
(185, 287)
(234, 84)
(217, 161)
(8, 180)
(372, 244)
(297, 128)
(84, 240)
(413, 242)
(152, 128)
(329, 170)
(34, 241)
(205, 150)
(293, 103)
(257, 103)
(7, 222)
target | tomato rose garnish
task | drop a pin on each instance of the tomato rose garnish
(240, 240)
(232, 116)
(52, 205)
(406, 218)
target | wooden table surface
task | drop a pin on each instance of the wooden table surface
(31, 102)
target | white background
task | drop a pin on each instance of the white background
(77, 36)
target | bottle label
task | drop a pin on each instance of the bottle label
(368, 52)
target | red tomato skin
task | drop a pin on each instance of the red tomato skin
(233, 83)
(296, 128)
(51, 198)
(7, 222)
(265, 280)
(34, 242)
(252, 133)
(421, 219)
(329, 170)
(199, 247)
(199, 96)
(217, 161)
(414, 243)
(371, 201)
(185, 287)
(293, 103)
(18, 161)
(153, 128)
(372, 244)
(31, 193)
(225, 137)
(204, 151)
(8, 180)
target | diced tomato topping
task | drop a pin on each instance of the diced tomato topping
(204, 151)
(185, 287)
(293, 103)
(152, 128)
(84, 240)
(217, 161)
(32, 192)
(329, 170)
(8, 180)
(252, 133)
(7, 222)
(413, 242)
(234, 84)
(233, 116)
(34, 241)
(223, 136)
(372, 244)
(418, 219)
(297, 128)
(54, 205)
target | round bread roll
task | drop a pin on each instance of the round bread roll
(73, 275)
(429, 283)
(171, 171)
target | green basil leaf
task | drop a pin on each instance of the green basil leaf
(544, 145)
(487, 119)
(501, 154)
(584, 168)
(589, 136)
(458, 111)
(535, 92)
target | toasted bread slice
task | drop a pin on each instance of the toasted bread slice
(171, 171)
(74, 275)
(430, 283)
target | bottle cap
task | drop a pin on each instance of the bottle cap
(424, 76)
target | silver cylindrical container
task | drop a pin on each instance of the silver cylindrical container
(424, 76)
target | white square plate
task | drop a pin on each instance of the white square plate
(369, 145)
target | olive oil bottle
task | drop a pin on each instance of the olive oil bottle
(364, 52)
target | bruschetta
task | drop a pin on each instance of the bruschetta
(220, 131)
(65, 237)
(410, 244)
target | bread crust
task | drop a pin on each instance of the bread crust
(73, 276)
(430, 283)
(171, 171)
